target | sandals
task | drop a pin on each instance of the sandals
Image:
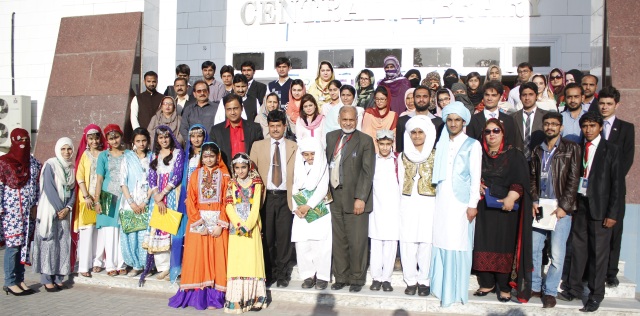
(97, 269)
(481, 293)
(122, 272)
(112, 273)
(86, 274)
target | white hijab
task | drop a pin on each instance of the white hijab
(308, 176)
(424, 123)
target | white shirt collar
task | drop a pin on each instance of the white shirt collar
(280, 141)
(595, 142)
(611, 119)
(487, 113)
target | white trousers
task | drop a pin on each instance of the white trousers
(163, 260)
(108, 250)
(314, 258)
(416, 261)
(87, 240)
(383, 257)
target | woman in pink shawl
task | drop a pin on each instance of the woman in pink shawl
(310, 121)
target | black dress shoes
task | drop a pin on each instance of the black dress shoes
(613, 282)
(8, 290)
(386, 286)
(308, 283)
(411, 290)
(566, 296)
(283, 283)
(321, 284)
(548, 301)
(375, 286)
(481, 293)
(591, 306)
(423, 290)
(338, 286)
(355, 288)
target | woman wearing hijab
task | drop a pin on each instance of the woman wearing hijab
(19, 193)
(474, 90)
(408, 101)
(546, 100)
(166, 115)
(364, 88)
(396, 84)
(52, 240)
(414, 77)
(450, 77)
(319, 88)
(379, 117)
(502, 257)
(456, 173)
(573, 75)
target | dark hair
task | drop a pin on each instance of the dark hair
(590, 75)
(226, 68)
(305, 98)
(496, 85)
(573, 85)
(592, 116)
(150, 73)
(277, 115)
(180, 79)
(552, 115)
(283, 60)
(156, 149)
(200, 82)
(248, 63)
(525, 65)
(240, 155)
(609, 92)
(348, 87)
(421, 87)
(528, 85)
(191, 151)
(473, 74)
(229, 98)
(336, 83)
(298, 82)
(325, 62)
(208, 64)
(183, 68)
(209, 146)
(272, 94)
(451, 71)
(442, 91)
(240, 78)
(144, 132)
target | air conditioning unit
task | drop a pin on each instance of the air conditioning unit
(15, 112)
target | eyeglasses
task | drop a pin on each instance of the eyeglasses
(494, 131)
(556, 77)
(381, 100)
(201, 90)
(552, 124)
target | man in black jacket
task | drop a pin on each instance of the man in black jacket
(421, 99)
(621, 133)
(599, 202)
(492, 93)
(590, 84)
(256, 89)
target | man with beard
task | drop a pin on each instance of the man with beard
(216, 88)
(421, 99)
(351, 157)
(590, 102)
(573, 97)
(492, 93)
(255, 89)
(145, 104)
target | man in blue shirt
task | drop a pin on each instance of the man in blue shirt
(573, 98)
(282, 85)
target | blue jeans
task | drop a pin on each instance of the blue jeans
(13, 269)
(558, 248)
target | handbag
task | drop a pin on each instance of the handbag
(87, 216)
(491, 198)
(169, 222)
(315, 213)
(132, 222)
(109, 204)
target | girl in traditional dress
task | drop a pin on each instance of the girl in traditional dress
(380, 116)
(108, 190)
(165, 176)
(310, 123)
(52, 242)
(91, 145)
(246, 289)
(204, 283)
(319, 87)
(134, 214)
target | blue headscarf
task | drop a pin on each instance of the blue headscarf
(442, 147)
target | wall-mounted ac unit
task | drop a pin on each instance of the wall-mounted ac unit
(15, 112)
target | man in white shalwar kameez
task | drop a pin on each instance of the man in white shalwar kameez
(457, 172)
(417, 204)
(383, 220)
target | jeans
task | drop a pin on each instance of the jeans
(558, 248)
(13, 269)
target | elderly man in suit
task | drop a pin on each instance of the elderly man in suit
(621, 133)
(234, 135)
(275, 158)
(351, 158)
(528, 120)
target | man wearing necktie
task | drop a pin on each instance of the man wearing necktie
(621, 133)
(275, 160)
(351, 158)
(492, 94)
(599, 203)
(529, 120)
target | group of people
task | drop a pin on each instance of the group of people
(245, 180)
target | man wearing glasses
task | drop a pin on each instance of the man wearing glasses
(202, 112)
(525, 71)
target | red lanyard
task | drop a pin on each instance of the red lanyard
(337, 151)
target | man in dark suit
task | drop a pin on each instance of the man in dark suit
(250, 104)
(182, 71)
(492, 93)
(590, 84)
(528, 120)
(235, 135)
(421, 99)
(599, 203)
(621, 133)
(351, 158)
(256, 89)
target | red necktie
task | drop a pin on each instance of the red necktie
(585, 160)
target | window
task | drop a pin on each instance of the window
(339, 58)
(480, 57)
(256, 58)
(298, 59)
(374, 58)
(432, 57)
(536, 56)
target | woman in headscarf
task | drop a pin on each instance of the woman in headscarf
(380, 116)
(494, 72)
(272, 102)
(52, 240)
(456, 173)
(557, 82)
(312, 238)
(432, 82)
(310, 123)
(474, 90)
(502, 257)
(450, 77)
(166, 115)
(408, 101)
(573, 75)
(319, 88)
(414, 77)
(19, 193)
(364, 88)
(296, 92)
(396, 84)
(91, 145)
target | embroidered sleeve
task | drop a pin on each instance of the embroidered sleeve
(153, 178)
(178, 167)
(516, 187)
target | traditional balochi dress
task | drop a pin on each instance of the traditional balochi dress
(85, 218)
(134, 172)
(246, 287)
(108, 167)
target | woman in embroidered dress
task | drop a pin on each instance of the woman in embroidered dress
(204, 283)
(134, 214)
(380, 116)
(109, 192)
(91, 145)
(246, 289)
(310, 123)
(296, 92)
(197, 136)
(272, 102)
(19, 193)
(165, 176)
(52, 240)
(319, 88)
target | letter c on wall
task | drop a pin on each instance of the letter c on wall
(243, 13)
